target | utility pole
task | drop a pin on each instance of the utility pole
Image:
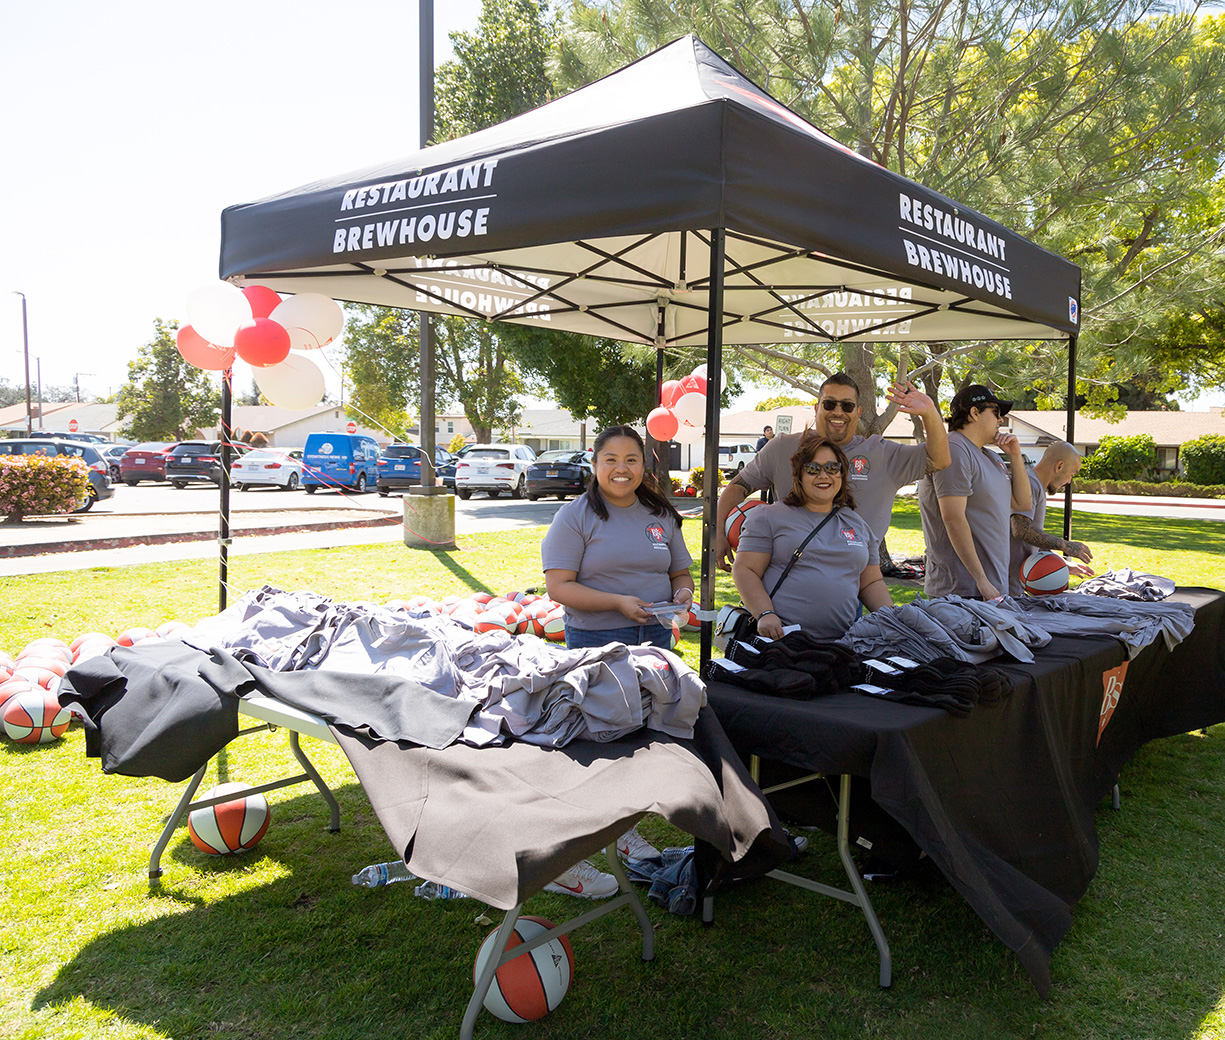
(25, 334)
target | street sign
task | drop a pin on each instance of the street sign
(782, 423)
(73, 425)
(352, 427)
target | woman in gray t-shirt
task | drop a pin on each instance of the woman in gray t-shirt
(833, 575)
(617, 549)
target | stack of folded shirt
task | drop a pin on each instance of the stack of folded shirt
(796, 666)
(944, 683)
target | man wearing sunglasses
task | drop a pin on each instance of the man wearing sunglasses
(966, 509)
(878, 467)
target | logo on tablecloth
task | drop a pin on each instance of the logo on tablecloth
(1112, 690)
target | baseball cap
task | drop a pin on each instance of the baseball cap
(977, 396)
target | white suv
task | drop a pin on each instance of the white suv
(734, 457)
(493, 468)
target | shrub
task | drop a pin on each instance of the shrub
(1121, 458)
(457, 442)
(35, 485)
(1204, 459)
(698, 474)
(1171, 489)
(677, 487)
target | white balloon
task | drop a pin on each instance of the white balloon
(295, 383)
(703, 368)
(700, 370)
(216, 310)
(690, 408)
(311, 319)
(688, 434)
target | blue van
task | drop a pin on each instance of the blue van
(336, 460)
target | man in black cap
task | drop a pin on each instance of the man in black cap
(767, 435)
(966, 508)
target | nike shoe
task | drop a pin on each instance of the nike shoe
(633, 846)
(799, 845)
(586, 881)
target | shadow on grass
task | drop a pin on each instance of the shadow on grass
(306, 954)
(446, 557)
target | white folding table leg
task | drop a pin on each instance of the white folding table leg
(155, 859)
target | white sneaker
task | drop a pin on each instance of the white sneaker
(585, 881)
(632, 845)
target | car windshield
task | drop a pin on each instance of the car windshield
(401, 451)
(195, 449)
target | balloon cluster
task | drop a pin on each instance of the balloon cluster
(262, 329)
(681, 415)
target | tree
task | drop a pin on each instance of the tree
(473, 367)
(771, 404)
(1090, 126)
(165, 398)
(382, 352)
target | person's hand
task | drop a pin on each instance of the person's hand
(683, 596)
(1079, 550)
(988, 591)
(635, 609)
(1079, 569)
(1010, 444)
(909, 399)
(724, 554)
(770, 626)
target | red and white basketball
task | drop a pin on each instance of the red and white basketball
(170, 629)
(90, 645)
(534, 614)
(35, 717)
(11, 687)
(491, 621)
(229, 827)
(533, 984)
(690, 622)
(88, 637)
(734, 523)
(41, 670)
(132, 636)
(555, 625)
(480, 597)
(47, 649)
(1044, 574)
(676, 635)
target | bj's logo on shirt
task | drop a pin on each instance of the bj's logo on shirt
(860, 468)
(656, 536)
(849, 534)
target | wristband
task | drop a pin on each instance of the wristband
(764, 613)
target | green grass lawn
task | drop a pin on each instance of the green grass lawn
(277, 944)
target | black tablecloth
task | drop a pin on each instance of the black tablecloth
(1003, 800)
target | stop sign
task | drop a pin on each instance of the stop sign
(352, 427)
(73, 426)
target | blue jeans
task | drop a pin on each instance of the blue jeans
(630, 635)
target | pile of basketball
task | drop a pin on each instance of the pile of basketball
(517, 613)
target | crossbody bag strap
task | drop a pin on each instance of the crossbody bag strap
(795, 556)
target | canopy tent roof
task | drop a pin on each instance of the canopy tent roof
(592, 214)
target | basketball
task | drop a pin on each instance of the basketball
(47, 649)
(533, 984)
(132, 636)
(90, 645)
(480, 597)
(690, 622)
(229, 827)
(170, 629)
(1044, 574)
(493, 621)
(734, 523)
(554, 625)
(11, 687)
(676, 636)
(41, 670)
(89, 637)
(35, 717)
(536, 612)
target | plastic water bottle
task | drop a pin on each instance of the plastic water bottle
(433, 890)
(379, 874)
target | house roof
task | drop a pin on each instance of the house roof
(1168, 429)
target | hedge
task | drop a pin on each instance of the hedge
(1168, 489)
(1204, 459)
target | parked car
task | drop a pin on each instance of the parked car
(493, 468)
(399, 466)
(68, 435)
(559, 473)
(271, 467)
(190, 461)
(113, 453)
(348, 460)
(146, 461)
(734, 457)
(99, 475)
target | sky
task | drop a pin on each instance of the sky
(129, 126)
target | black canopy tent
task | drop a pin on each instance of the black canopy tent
(672, 203)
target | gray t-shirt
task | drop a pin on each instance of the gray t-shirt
(821, 594)
(878, 467)
(978, 475)
(629, 554)
(1019, 551)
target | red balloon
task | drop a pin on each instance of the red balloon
(693, 384)
(669, 392)
(263, 300)
(198, 351)
(662, 424)
(262, 342)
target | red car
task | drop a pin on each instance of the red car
(145, 462)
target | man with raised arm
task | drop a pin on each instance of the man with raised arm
(878, 467)
(1053, 472)
(967, 508)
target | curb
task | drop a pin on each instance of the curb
(88, 544)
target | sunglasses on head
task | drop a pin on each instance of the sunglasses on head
(829, 404)
(813, 468)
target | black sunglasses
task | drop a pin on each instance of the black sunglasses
(813, 468)
(829, 404)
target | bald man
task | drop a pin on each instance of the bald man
(1054, 471)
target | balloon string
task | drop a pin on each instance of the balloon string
(352, 407)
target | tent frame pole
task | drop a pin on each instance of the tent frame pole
(1070, 434)
(710, 472)
(223, 531)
